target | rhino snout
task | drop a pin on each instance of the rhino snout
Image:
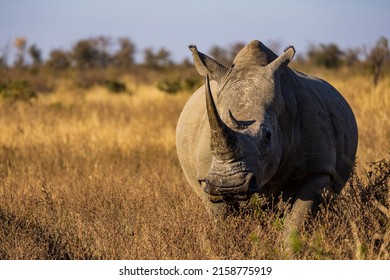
(236, 189)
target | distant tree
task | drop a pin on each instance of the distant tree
(235, 49)
(377, 58)
(187, 63)
(150, 59)
(35, 55)
(327, 55)
(124, 57)
(20, 44)
(102, 45)
(164, 57)
(58, 60)
(221, 55)
(351, 56)
(85, 54)
(4, 52)
(158, 59)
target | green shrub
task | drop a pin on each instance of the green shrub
(17, 90)
(115, 86)
(170, 86)
(191, 84)
(173, 86)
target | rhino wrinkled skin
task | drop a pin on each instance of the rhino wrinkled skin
(261, 127)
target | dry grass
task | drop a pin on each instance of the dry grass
(89, 175)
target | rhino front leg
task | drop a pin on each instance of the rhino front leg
(307, 200)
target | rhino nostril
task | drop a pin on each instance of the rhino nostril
(212, 189)
(202, 183)
(207, 189)
(244, 187)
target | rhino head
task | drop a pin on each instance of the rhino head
(245, 133)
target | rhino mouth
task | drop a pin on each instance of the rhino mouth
(221, 191)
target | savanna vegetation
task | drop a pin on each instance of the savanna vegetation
(88, 166)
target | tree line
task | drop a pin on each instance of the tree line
(104, 52)
(88, 53)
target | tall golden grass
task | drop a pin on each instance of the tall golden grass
(85, 174)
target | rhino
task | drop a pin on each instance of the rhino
(259, 126)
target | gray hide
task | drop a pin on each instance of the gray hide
(261, 127)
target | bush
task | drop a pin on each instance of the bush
(17, 90)
(191, 84)
(115, 86)
(329, 56)
(173, 86)
(366, 202)
(170, 86)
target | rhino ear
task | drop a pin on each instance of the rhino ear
(206, 65)
(280, 63)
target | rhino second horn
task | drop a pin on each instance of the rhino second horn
(223, 139)
(235, 122)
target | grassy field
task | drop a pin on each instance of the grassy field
(85, 174)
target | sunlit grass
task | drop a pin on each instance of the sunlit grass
(89, 174)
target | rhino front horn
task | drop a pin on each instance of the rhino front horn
(223, 139)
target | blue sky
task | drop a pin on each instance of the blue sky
(174, 24)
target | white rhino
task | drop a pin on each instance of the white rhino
(261, 127)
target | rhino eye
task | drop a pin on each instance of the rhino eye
(265, 134)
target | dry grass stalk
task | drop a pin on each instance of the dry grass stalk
(113, 187)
